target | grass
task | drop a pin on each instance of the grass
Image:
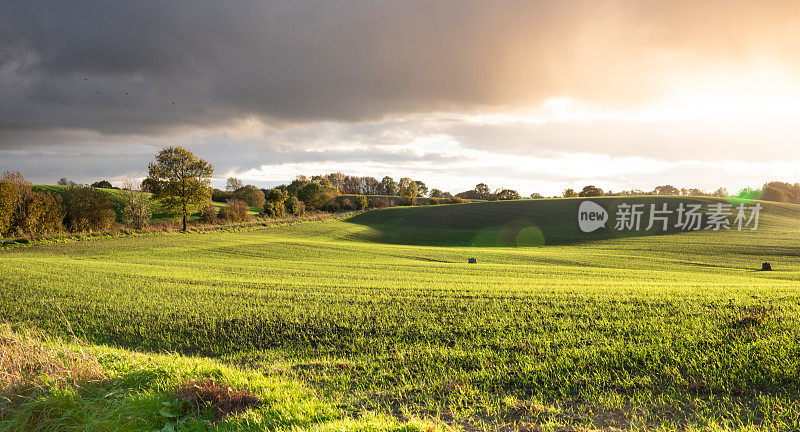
(381, 312)
(135, 392)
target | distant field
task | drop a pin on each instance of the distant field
(382, 311)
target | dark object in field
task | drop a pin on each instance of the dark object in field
(472, 261)
(766, 266)
(220, 398)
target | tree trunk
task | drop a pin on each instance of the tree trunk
(184, 221)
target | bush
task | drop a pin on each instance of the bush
(221, 195)
(378, 203)
(251, 195)
(275, 209)
(275, 206)
(40, 213)
(455, 200)
(88, 209)
(433, 201)
(360, 202)
(236, 211)
(208, 214)
(408, 200)
(136, 211)
(294, 206)
(13, 188)
(339, 204)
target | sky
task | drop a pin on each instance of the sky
(532, 95)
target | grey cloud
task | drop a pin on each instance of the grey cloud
(143, 67)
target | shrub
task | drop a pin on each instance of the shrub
(236, 211)
(275, 206)
(88, 209)
(360, 202)
(208, 214)
(136, 211)
(378, 203)
(455, 200)
(294, 206)
(13, 188)
(433, 201)
(275, 209)
(251, 195)
(408, 200)
(40, 213)
(339, 204)
(221, 195)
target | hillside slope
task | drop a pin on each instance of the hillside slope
(535, 222)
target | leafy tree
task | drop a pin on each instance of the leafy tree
(591, 191)
(316, 195)
(749, 193)
(294, 206)
(788, 192)
(103, 184)
(389, 186)
(720, 193)
(436, 193)
(569, 193)
(421, 187)
(482, 191)
(371, 186)
(295, 186)
(63, 181)
(88, 209)
(275, 203)
(507, 194)
(251, 195)
(233, 184)
(407, 188)
(666, 190)
(771, 193)
(181, 181)
(536, 195)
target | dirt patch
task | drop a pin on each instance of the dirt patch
(220, 399)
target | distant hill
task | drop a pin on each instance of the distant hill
(526, 222)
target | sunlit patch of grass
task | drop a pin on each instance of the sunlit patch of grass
(111, 389)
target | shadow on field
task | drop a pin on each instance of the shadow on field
(510, 223)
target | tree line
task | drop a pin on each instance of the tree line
(180, 183)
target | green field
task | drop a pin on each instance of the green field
(551, 328)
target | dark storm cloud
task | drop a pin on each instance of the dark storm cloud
(140, 67)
